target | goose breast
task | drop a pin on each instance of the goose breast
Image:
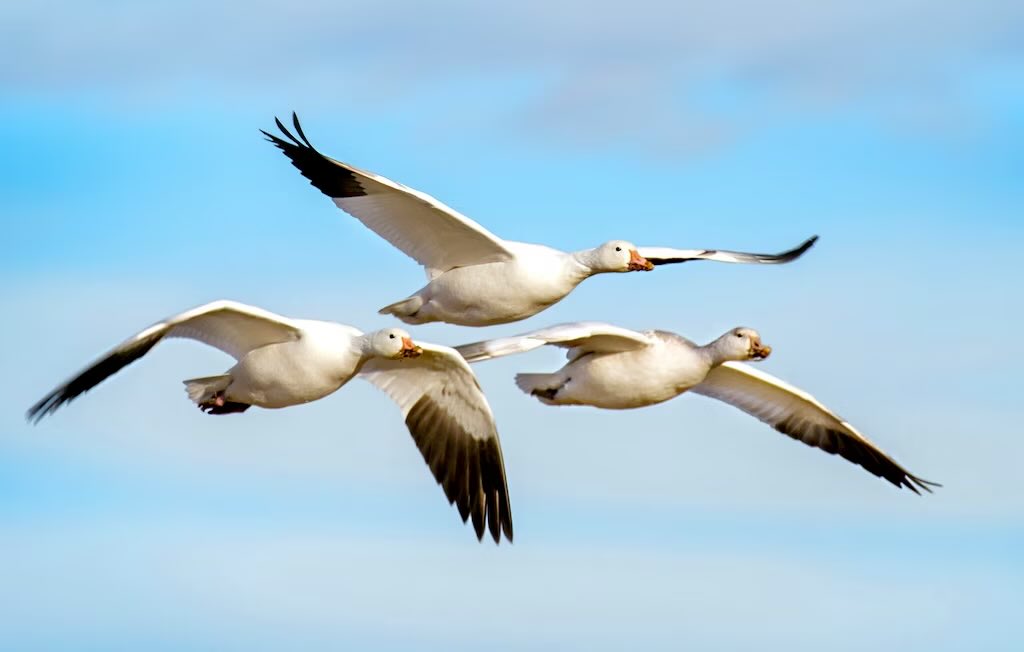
(317, 364)
(504, 291)
(633, 379)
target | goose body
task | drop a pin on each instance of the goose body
(281, 362)
(629, 379)
(616, 368)
(474, 277)
(534, 279)
(280, 375)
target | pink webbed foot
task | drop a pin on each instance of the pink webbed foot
(217, 404)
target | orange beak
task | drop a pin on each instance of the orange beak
(638, 263)
(759, 351)
(409, 350)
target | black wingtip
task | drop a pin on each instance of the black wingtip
(298, 128)
(914, 483)
(477, 514)
(93, 375)
(470, 470)
(332, 178)
(298, 142)
(284, 130)
(33, 415)
(45, 406)
(793, 254)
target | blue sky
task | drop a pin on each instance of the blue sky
(134, 184)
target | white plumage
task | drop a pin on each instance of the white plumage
(475, 277)
(615, 368)
(282, 362)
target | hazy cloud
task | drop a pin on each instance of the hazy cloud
(671, 75)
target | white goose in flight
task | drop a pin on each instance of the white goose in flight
(283, 362)
(474, 277)
(616, 368)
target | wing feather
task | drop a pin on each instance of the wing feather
(232, 327)
(452, 425)
(799, 415)
(668, 256)
(580, 337)
(433, 234)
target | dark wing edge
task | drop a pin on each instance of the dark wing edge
(743, 257)
(99, 371)
(470, 470)
(864, 455)
(325, 174)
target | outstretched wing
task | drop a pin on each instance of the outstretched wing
(436, 236)
(796, 413)
(452, 425)
(580, 337)
(234, 328)
(667, 256)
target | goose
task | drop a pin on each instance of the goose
(617, 368)
(474, 277)
(283, 362)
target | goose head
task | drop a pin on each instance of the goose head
(393, 343)
(618, 256)
(742, 344)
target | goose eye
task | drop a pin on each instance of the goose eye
(739, 335)
(618, 248)
(391, 336)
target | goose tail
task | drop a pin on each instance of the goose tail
(406, 309)
(202, 390)
(543, 386)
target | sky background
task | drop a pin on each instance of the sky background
(134, 184)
